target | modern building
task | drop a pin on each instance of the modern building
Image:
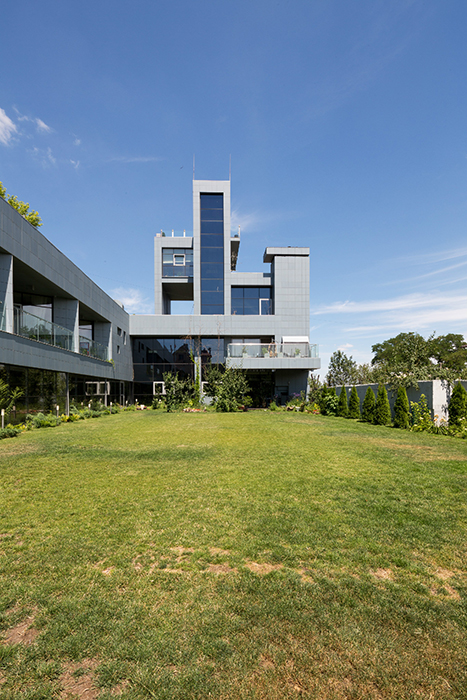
(257, 320)
(62, 338)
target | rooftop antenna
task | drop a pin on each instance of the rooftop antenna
(193, 166)
(230, 168)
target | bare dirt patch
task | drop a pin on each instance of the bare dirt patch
(108, 571)
(77, 681)
(216, 552)
(444, 574)
(305, 575)
(22, 633)
(221, 569)
(383, 574)
(262, 569)
(266, 663)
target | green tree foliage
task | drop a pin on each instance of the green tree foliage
(368, 406)
(401, 409)
(341, 370)
(8, 397)
(229, 389)
(328, 401)
(342, 408)
(178, 392)
(314, 388)
(404, 360)
(354, 404)
(457, 408)
(382, 407)
(22, 207)
(449, 352)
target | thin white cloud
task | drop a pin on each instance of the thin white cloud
(133, 300)
(75, 163)
(7, 128)
(44, 156)
(409, 301)
(77, 142)
(247, 222)
(345, 346)
(42, 126)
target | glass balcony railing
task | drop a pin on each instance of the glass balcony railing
(268, 351)
(92, 349)
(35, 328)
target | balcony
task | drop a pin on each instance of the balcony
(35, 328)
(271, 351)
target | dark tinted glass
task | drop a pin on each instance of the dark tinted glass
(237, 292)
(212, 215)
(215, 240)
(212, 255)
(265, 292)
(251, 307)
(237, 307)
(213, 298)
(212, 309)
(251, 292)
(266, 307)
(212, 227)
(208, 285)
(212, 201)
(212, 270)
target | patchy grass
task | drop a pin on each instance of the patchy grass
(258, 555)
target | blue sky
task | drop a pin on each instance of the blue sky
(345, 122)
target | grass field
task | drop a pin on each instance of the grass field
(258, 555)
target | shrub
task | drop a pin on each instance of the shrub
(382, 407)
(9, 432)
(401, 409)
(328, 402)
(342, 407)
(368, 406)
(178, 391)
(421, 416)
(457, 408)
(354, 404)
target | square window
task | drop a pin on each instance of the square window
(179, 259)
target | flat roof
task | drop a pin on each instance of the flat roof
(270, 253)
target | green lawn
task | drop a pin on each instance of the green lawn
(258, 555)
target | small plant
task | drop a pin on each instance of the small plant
(368, 406)
(342, 408)
(421, 416)
(354, 404)
(21, 207)
(382, 407)
(401, 409)
(328, 402)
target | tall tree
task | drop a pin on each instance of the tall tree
(457, 408)
(382, 407)
(341, 370)
(368, 406)
(343, 409)
(354, 404)
(401, 409)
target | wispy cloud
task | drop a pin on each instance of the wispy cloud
(135, 159)
(44, 156)
(77, 142)
(75, 163)
(7, 128)
(247, 222)
(42, 126)
(133, 300)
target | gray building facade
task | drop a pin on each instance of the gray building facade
(256, 320)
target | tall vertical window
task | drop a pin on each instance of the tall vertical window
(212, 253)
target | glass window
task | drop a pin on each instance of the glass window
(251, 292)
(212, 201)
(213, 297)
(212, 309)
(212, 255)
(250, 307)
(179, 259)
(208, 285)
(212, 215)
(266, 307)
(211, 227)
(237, 292)
(237, 307)
(212, 271)
(215, 240)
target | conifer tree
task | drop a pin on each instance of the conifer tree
(343, 409)
(354, 404)
(457, 408)
(401, 409)
(382, 407)
(368, 406)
